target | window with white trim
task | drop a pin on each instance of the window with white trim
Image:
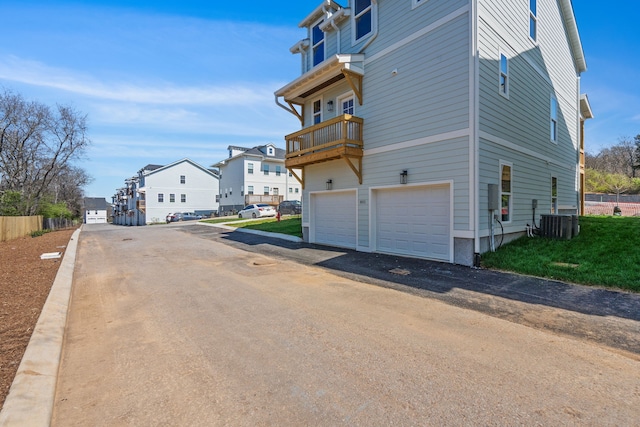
(346, 104)
(553, 119)
(504, 75)
(533, 19)
(265, 168)
(160, 197)
(554, 195)
(183, 179)
(183, 198)
(172, 198)
(278, 170)
(363, 18)
(505, 192)
(250, 168)
(317, 111)
(250, 190)
(276, 191)
(317, 39)
(266, 191)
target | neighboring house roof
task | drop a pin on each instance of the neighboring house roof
(585, 107)
(574, 37)
(260, 151)
(151, 167)
(95, 203)
(148, 172)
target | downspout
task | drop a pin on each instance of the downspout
(335, 27)
(375, 33)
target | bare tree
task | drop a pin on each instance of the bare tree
(37, 144)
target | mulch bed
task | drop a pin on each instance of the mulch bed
(25, 282)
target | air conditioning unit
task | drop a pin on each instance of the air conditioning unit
(559, 226)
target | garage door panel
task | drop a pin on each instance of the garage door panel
(414, 221)
(334, 219)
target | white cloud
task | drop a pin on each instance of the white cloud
(15, 69)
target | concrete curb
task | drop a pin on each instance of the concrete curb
(281, 236)
(31, 397)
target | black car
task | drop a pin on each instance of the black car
(290, 207)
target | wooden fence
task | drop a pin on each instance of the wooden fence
(13, 227)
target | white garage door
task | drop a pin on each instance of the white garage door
(414, 221)
(334, 219)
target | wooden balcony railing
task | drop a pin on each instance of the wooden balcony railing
(272, 199)
(141, 205)
(334, 138)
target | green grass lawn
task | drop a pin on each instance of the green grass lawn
(222, 219)
(291, 225)
(605, 253)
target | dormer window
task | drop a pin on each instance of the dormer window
(363, 18)
(317, 41)
(270, 151)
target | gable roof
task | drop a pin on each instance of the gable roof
(147, 172)
(258, 151)
(95, 203)
(574, 37)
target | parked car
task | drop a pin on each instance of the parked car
(174, 217)
(190, 216)
(290, 207)
(257, 210)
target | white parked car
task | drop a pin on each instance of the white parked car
(257, 211)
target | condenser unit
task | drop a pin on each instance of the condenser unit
(559, 226)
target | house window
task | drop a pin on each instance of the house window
(270, 151)
(363, 18)
(290, 190)
(266, 191)
(183, 179)
(533, 20)
(504, 75)
(160, 197)
(278, 170)
(250, 168)
(416, 3)
(553, 121)
(505, 192)
(250, 189)
(554, 195)
(183, 198)
(317, 111)
(297, 190)
(317, 37)
(172, 198)
(231, 191)
(346, 104)
(265, 169)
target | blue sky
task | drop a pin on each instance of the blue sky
(165, 80)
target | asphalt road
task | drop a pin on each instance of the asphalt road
(167, 327)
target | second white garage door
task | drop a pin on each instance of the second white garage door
(414, 221)
(334, 219)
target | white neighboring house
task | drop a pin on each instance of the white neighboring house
(95, 210)
(182, 186)
(255, 175)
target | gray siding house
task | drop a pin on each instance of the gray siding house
(429, 127)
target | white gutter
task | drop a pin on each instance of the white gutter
(574, 36)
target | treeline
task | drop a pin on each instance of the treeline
(38, 147)
(615, 169)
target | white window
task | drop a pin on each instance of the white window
(504, 76)
(265, 168)
(553, 119)
(160, 197)
(416, 3)
(317, 38)
(363, 18)
(250, 168)
(505, 192)
(346, 104)
(266, 191)
(297, 190)
(533, 19)
(250, 189)
(183, 198)
(554, 195)
(317, 111)
(172, 198)
(183, 179)
(278, 170)
(231, 191)
(290, 190)
(275, 191)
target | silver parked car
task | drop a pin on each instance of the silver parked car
(257, 211)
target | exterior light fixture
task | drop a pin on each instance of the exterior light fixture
(329, 184)
(330, 106)
(403, 176)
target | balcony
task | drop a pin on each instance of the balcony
(271, 199)
(141, 205)
(338, 138)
